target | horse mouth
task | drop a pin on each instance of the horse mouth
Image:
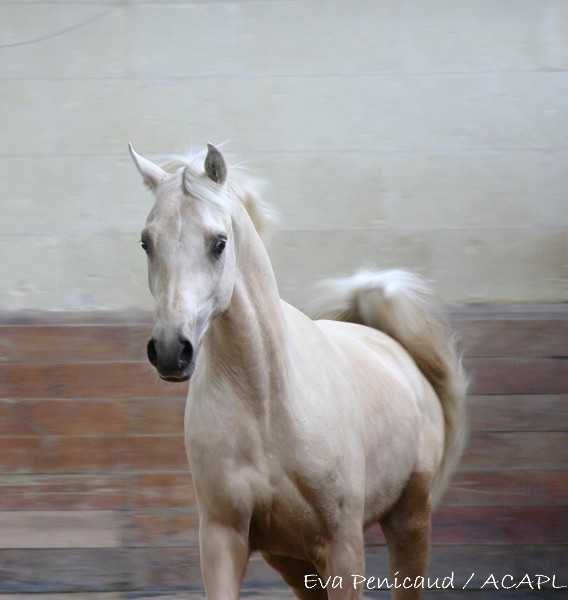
(179, 379)
(178, 376)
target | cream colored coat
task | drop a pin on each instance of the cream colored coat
(299, 433)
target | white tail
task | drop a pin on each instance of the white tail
(405, 307)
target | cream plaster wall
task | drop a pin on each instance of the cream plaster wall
(426, 134)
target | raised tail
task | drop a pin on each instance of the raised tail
(405, 307)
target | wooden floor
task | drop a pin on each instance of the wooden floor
(96, 501)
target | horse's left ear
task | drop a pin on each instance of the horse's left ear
(215, 166)
(151, 173)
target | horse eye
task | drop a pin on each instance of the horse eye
(219, 246)
(145, 246)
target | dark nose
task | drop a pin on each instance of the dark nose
(152, 354)
(172, 361)
(185, 355)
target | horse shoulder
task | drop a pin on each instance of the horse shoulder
(225, 453)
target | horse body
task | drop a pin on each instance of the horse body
(299, 433)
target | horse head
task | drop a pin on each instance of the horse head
(189, 242)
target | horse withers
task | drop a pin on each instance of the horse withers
(299, 433)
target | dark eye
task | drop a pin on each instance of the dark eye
(145, 246)
(219, 246)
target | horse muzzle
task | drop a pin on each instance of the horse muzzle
(174, 361)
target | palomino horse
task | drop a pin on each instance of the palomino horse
(299, 433)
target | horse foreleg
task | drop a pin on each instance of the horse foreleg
(407, 532)
(299, 575)
(344, 558)
(224, 556)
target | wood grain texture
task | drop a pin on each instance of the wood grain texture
(85, 380)
(97, 491)
(60, 529)
(96, 498)
(510, 338)
(104, 454)
(492, 526)
(91, 416)
(177, 568)
(73, 344)
(539, 412)
(508, 487)
(520, 376)
(516, 450)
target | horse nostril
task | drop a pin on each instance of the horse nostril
(152, 354)
(186, 355)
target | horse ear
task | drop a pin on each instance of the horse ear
(151, 173)
(215, 166)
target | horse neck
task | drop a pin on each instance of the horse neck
(247, 342)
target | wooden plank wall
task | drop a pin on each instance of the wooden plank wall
(96, 499)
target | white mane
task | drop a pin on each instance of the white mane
(189, 174)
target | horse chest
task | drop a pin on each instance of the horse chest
(288, 509)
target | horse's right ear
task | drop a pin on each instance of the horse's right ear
(151, 173)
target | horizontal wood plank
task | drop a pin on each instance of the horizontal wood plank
(28, 417)
(451, 525)
(484, 562)
(92, 454)
(98, 570)
(97, 491)
(89, 380)
(60, 529)
(28, 492)
(159, 529)
(501, 525)
(94, 337)
(73, 344)
(520, 376)
(516, 450)
(518, 412)
(107, 318)
(76, 454)
(24, 417)
(513, 338)
(499, 376)
(176, 568)
(493, 526)
(508, 487)
(163, 490)
(88, 417)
